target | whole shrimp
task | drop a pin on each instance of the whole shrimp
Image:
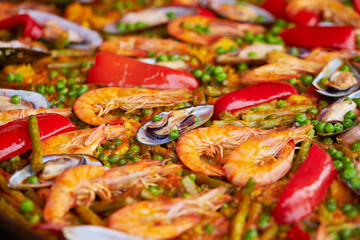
(85, 141)
(91, 105)
(168, 218)
(265, 158)
(139, 46)
(81, 185)
(209, 141)
(11, 115)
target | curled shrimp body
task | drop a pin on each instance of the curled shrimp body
(209, 141)
(11, 115)
(85, 141)
(91, 105)
(138, 46)
(181, 28)
(81, 184)
(265, 158)
(168, 218)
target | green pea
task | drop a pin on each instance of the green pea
(171, 15)
(113, 158)
(15, 99)
(157, 117)
(323, 103)
(261, 18)
(281, 103)
(355, 146)
(130, 26)
(328, 141)
(174, 134)
(263, 220)
(61, 98)
(53, 74)
(350, 115)
(345, 159)
(103, 157)
(292, 81)
(345, 68)
(242, 66)
(121, 26)
(209, 228)
(154, 190)
(50, 89)
(14, 159)
(134, 148)
(313, 111)
(72, 94)
(331, 204)
(239, 41)
(157, 157)
(348, 164)
(338, 155)
(300, 118)
(27, 206)
(346, 207)
(83, 89)
(338, 165)
(348, 123)
(197, 73)
(306, 122)
(349, 173)
(252, 54)
(74, 73)
(294, 51)
(329, 127)
(338, 127)
(139, 25)
(352, 212)
(33, 179)
(249, 37)
(162, 58)
(323, 82)
(151, 54)
(220, 50)
(357, 101)
(320, 127)
(85, 64)
(172, 57)
(205, 77)
(217, 70)
(220, 77)
(355, 182)
(280, 22)
(250, 234)
(306, 79)
(276, 30)
(60, 85)
(331, 151)
(63, 91)
(10, 77)
(314, 122)
(64, 71)
(121, 162)
(118, 5)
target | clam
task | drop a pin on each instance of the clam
(54, 165)
(185, 119)
(339, 83)
(147, 18)
(255, 53)
(88, 232)
(15, 52)
(29, 100)
(241, 11)
(53, 25)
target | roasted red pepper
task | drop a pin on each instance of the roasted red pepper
(356, 4)
(296, 233)
(278, 9)
(252, 96)
(307, 188)
(342, 37)
(31, 28)
(205, 12)
(15, 137)
(114, 70)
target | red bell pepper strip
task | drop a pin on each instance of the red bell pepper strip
(356, 4)
(302, 17)
(307, 188)
(296, 233)
(31, 28)
(205, 12)
(342, 37)
(15, 137)
(252, 96)
(119, 71)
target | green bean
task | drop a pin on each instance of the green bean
(73, 219)
(304, 151)
(189, 185)
(270, 233)
(211, 182)
(271, 123)
(104, 206)
(88, 216)
(71, 53)
(255, 211)
(37, 152)
(11, 212)
(31, 194)
(164, 152)
(339, 227)
(67, 64)
(147, 195)
(222, 123)
(287, 110)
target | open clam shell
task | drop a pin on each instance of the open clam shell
(328, 71)
(35, 99)
(241, 11)
(260, 51)
(202, 113)
(89, 38)
(87, 232)
(53, 166)
(150, 17)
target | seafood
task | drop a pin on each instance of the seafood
(183, 28)
(81, 184)
(85, 141)
(210, 141)
(90, 106)
(138, 46)
(173, 216)
(12, 115)
(265, 158)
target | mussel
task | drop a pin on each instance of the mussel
(15, 52)
(185, 119)
(79, 37)
(334, 82)
(54, 165)
(255, 53)
(29, 100)
(241, 11)
(147, 18)
(90, 232)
